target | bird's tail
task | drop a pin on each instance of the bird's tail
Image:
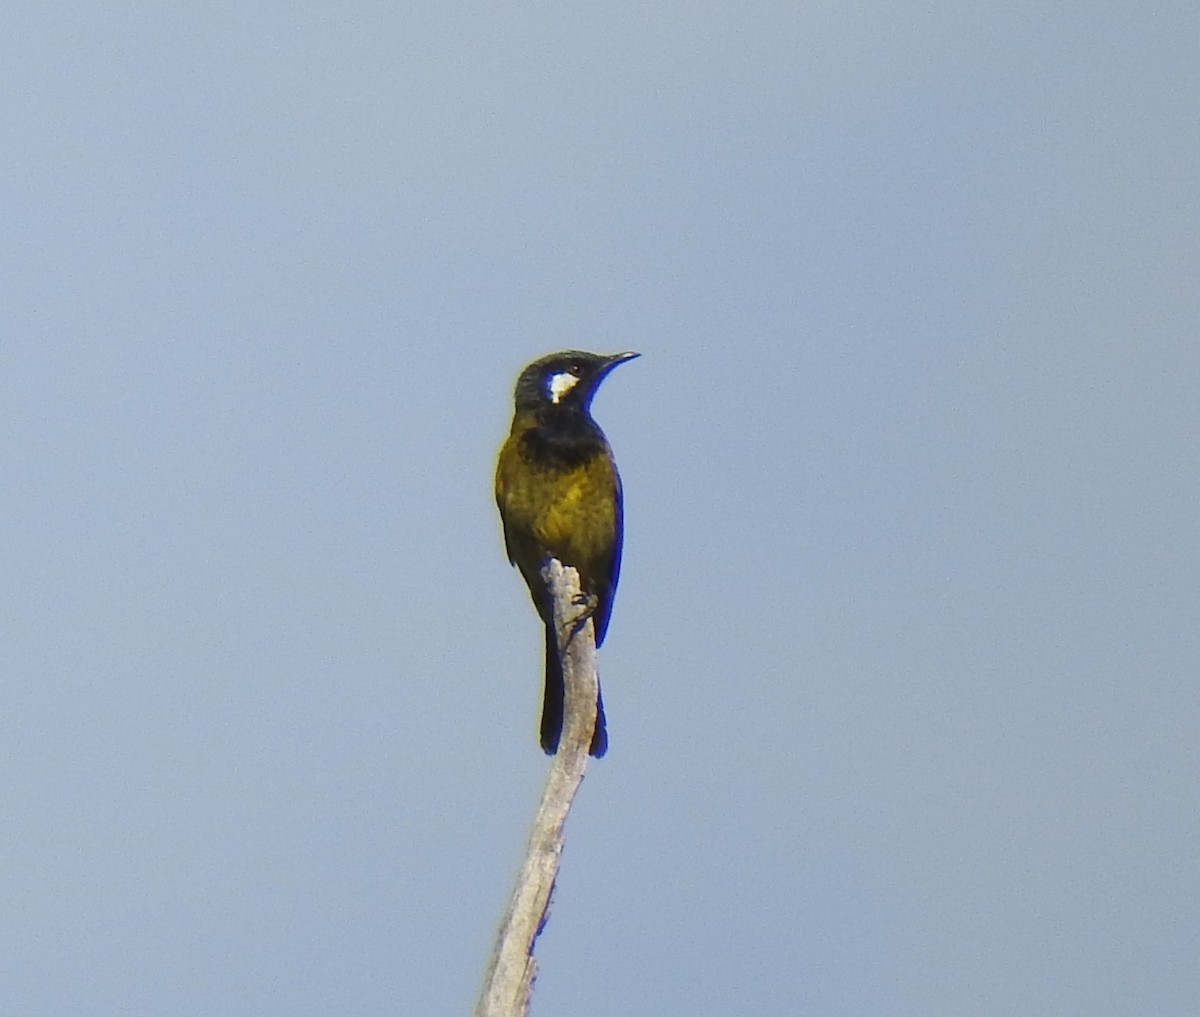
(553, 701)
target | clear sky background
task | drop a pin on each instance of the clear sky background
(902, 674)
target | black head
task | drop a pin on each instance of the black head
(568, 379)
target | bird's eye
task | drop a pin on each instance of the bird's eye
(576, 368)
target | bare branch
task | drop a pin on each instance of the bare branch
(508, 982)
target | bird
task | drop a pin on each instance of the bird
(559, 496)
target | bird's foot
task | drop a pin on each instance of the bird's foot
(587, 604)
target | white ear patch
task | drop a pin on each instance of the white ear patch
(560, 384)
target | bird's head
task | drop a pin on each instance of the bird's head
(568, 379)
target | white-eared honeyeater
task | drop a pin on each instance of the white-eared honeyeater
(559, 496)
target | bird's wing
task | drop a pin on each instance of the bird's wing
(606, 585)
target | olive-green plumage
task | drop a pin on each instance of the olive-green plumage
(559, 496)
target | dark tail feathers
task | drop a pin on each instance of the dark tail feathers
(552, 705)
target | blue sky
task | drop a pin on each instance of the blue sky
(902, 674)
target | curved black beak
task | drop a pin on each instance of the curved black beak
(614, 359)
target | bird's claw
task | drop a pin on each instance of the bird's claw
(587, 604)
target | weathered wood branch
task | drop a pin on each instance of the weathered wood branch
(508, 981)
